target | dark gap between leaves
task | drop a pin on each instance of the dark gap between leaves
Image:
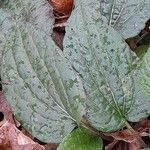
(1, 116)
(58, 36)
(0, 85)
(20, 127)
(105, 143)
(38, 141)
(146, 140)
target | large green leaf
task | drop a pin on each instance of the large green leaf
(42, 89)
(126, 16)
(2, 44)
(81, 139)
(145, 71)
(107, 67)
(36, 12)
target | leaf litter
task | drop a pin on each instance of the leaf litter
(11, 138)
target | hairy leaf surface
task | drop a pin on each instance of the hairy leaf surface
(42, 89)
(81, 139)
(126, 16)
(107, 68)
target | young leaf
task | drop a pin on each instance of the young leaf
(81, 139)
(107, 67)
(42, 89)
(126, 16)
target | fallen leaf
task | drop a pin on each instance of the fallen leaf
(124, 140)
(13, 139)
(143, 127)
(5, 108)
(62, 6)
(62, 11)
(50, 146)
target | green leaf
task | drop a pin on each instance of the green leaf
(141, 50)
(145, 71)
(81, 139)
(126, 16)
(2, 44)
(42, 89)
(107, 68)
(36, 12)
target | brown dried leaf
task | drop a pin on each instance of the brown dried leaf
(13, 139)
(62, 6)
(62, 11)
(5, 108)
(143, 127)
(51, 146)
(124, 140)
(121, 145)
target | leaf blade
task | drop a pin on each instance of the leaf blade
(81, 139)
(107, 68)
(127, 17)
(42, 89)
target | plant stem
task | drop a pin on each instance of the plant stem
(136, 134)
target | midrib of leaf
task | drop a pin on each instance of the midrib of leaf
(133, 85)
(53, 99)
(117, 73)
(99, 67)
(125, 99)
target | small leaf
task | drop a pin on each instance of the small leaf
(43, 91)
(128, 17)
(107, 67)
(81, 139)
